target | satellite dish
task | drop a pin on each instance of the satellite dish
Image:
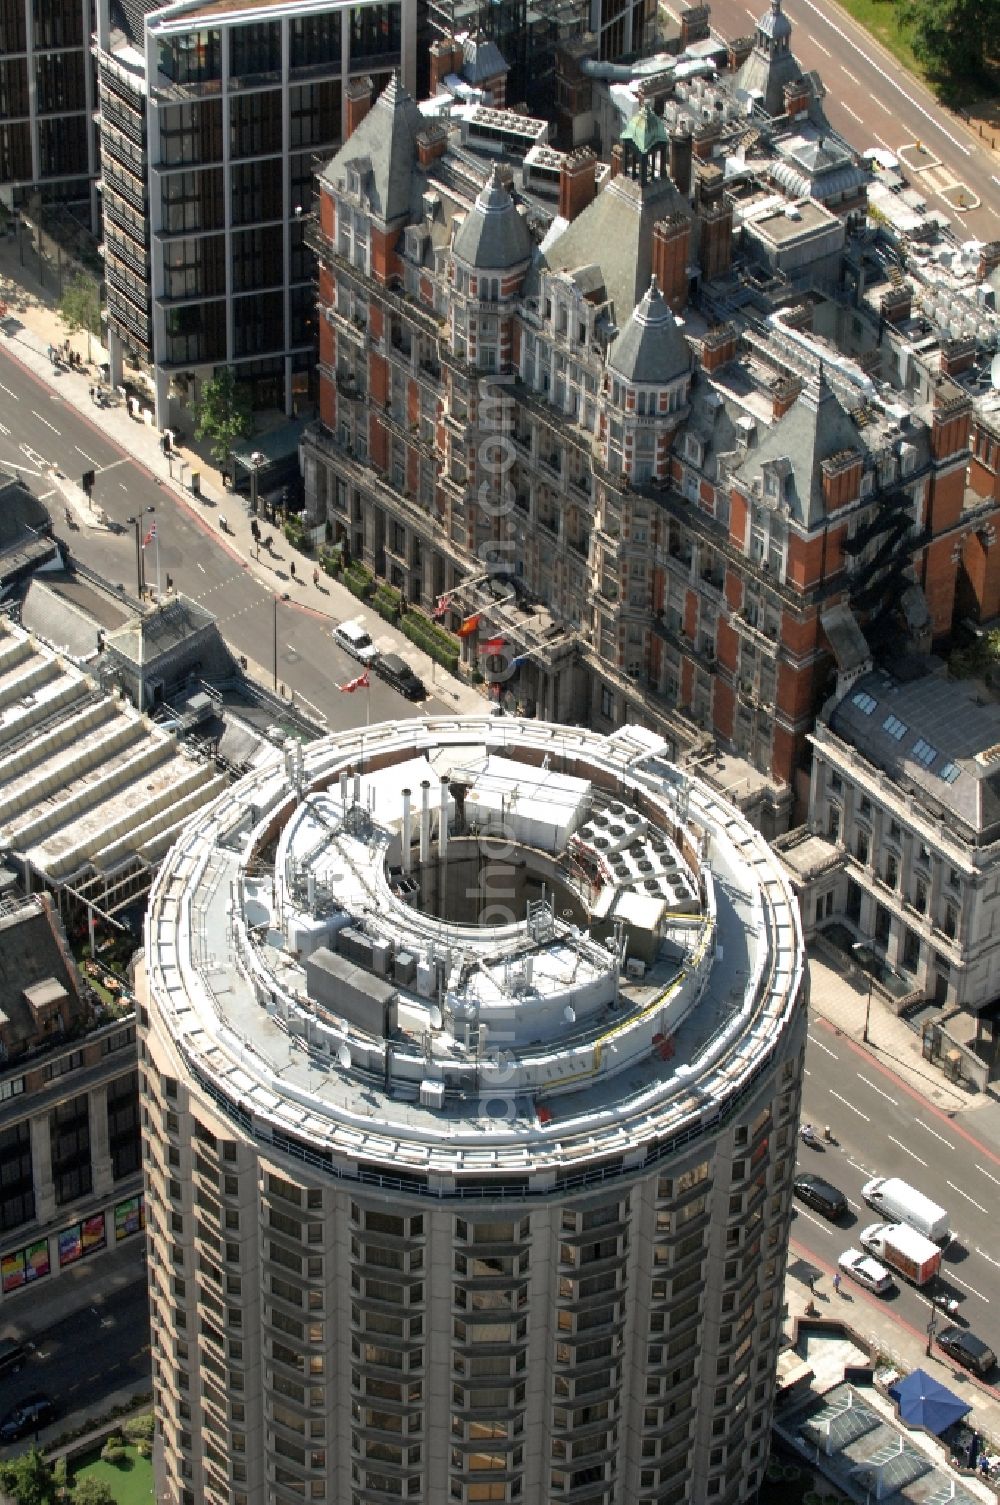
(344, 1057)
(569, 1014)
(436, 1017)
(995, 372)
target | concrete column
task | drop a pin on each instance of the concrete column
(41, 1168)
(404, 835)
(100, 1149)
(425, 822)
(343, 790)
(357, 789)
(443, 821)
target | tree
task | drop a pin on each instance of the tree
(28, 1479)
(80, 306)
(92, 1492)
(950, 37)
(223, 413)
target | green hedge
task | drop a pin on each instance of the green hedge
(440, 645)
(387, 601)
(359, 580)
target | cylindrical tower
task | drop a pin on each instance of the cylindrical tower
(477, 1191)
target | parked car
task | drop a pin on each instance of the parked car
(29, 1415)
(866, 1271)
(820, 1195)
(353, 638)
(966, 1349)
(397, 672)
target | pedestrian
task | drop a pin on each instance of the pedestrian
(292, 567)
(836, 1282)
(315, 577)
(812, 1285)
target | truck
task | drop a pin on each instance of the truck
(904, 1249)
(899, 1202)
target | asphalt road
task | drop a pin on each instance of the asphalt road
(881, 1130)
(872, 102)
(38, 428)
(85, 1360)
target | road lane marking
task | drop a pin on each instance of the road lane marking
(853, 113)
(803, 1214)
(960, 1282)
(889, 78)
(311, 704)
(821, 1046)
(9, 392)
(987, 1175)
(201, 566)
(825, 50)
(5, 429)
(48, 425)
(934, 1132)
(882, 141)
(862, 1168)
(852, 76)
(893, 1100)
(850, 1105)
(988, 1257)
(906, 1150)
(89, 458)
(883, 106)
(965, 1194)
(995, 178)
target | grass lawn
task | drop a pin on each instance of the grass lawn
(132, 1484)
(880, 18)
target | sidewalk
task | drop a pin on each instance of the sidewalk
(883, 1336)
(844, 1004)
(90, 1282)
(32, 325)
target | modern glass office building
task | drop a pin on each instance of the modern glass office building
(213, 117)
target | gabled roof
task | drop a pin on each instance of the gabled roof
(815, 427)
(482, 60)
(650, 349)
(615, 232)
(383, 149)
(493, 236)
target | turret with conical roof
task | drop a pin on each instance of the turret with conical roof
(493, 237)
(771, 65)
(650, 349)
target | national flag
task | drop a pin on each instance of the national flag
(441, 608)
(469, 626)
(495, 645)
(149, 536)
(361, 683)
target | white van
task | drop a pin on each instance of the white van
(898, 1202)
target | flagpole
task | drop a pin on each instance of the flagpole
(156, 540)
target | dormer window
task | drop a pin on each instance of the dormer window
(354, 181)
(692, 449)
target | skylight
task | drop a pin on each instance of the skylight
(949, 772)
(923, 752)
(894, 727)
(864, 702)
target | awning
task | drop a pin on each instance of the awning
(924, 1402)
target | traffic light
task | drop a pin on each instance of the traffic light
(87, 481)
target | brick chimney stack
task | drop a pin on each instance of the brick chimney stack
(446, 57)
(718, 346)
(681, 151)
(784, 391)
(359, 101)
(671, 247)
(989, 260)
(577, 182)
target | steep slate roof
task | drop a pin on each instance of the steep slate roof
(650, 349)
(814, 428)
(770, 67)
(384, 151)
(615, 232)
(482, 60)
(493, 236)
(940, 716)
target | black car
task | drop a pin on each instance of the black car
(820, 1195)
(29, 1415)
(396, 672)
(966, 1349)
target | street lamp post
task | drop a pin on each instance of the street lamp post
(140, 573)
(856, 947)
(931, 1330)
(257, 459)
